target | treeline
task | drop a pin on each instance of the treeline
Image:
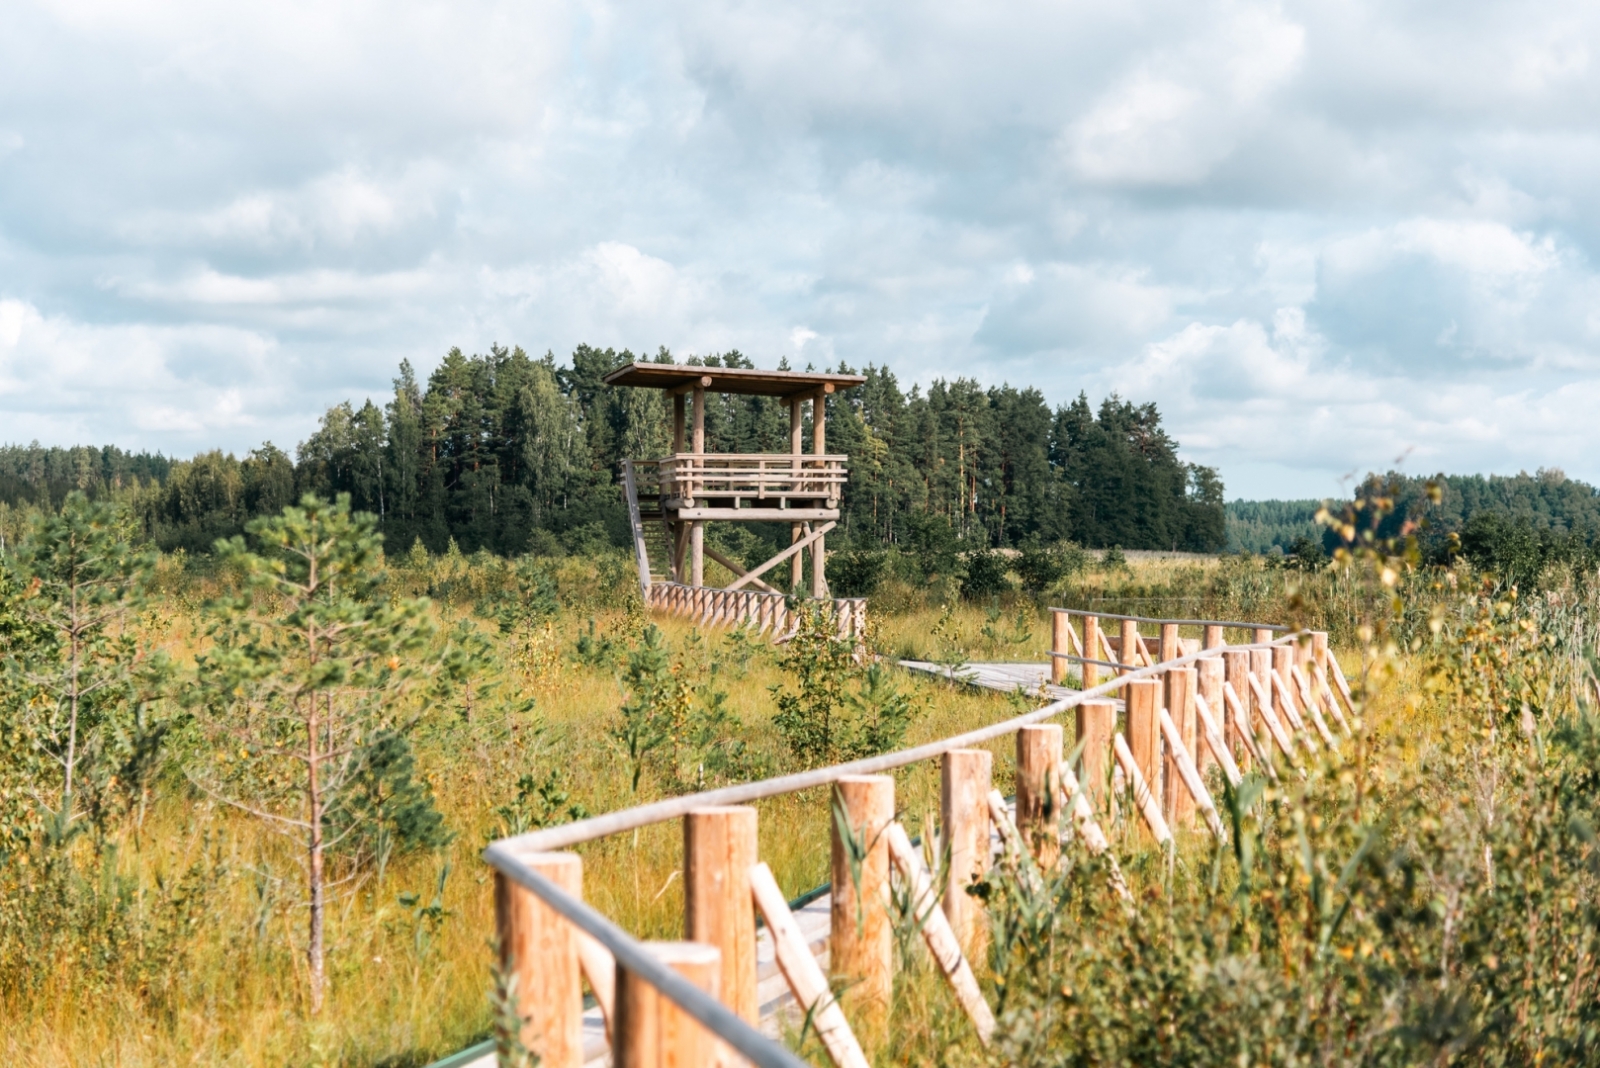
(510, 454)
(1262, 526)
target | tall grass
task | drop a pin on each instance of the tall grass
(180, 940)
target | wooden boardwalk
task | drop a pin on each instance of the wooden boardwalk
(1031, 679)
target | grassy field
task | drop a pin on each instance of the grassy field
(206, 966)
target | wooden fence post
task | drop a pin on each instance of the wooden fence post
(861, 952)
(1208, 685)
(1178, 805)
(1237, 670)
(1283, 658)
(1142, 698)
(1097, 722)
(652, 1031)
(1261, 659)
(1038, 814)
(965, 781)
(540, 948)
(719, 849)
(1129, 651)
(1091, 648)
(1171, 649)
(1213, 638)
(1060, 642)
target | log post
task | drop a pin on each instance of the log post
(540, 948)
(1060, 642)
(1261, 659)
(861, 952)
(1097, 722)
(1213, 638)
(1130, 644)
(1283, 659)
(804, 974)
(1143, 700)
(651, 1030)
(1319, 648)
(1038, 814)
(1170, 647)
(1091, 648)
(965, 781)
(719, 849)
(1179, 806)
(1236, 671)
(1209, 674)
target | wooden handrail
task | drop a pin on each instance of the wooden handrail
(552, 839)
(1177, 622)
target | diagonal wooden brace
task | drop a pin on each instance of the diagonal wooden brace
(751, 576)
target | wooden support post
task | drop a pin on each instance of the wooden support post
(1075, 799)
(1149, 805)
(1170, 648)
(1211, 732)
(1097, 722)
(677, 422)
(540, 948)
(699, 427)
(1282, 660)
(1319, 648)
(861, 952)
(719, 849)
(1236, 670)
(1281, 732)
(1130, 644)
(936, 931)
(1261, 659)
(819, 557)
(1060, 642)
(965, 780)
(1000, 816)
(652, 1031)
(1142, 699)
(1091, 641)
(1213, 638)
(1309, 703)
(1188, 776)
(1038, 814)
(819, 423)
(1177, 803)
(1337, 673)
(697, 554)
(1325, 695)
(804, 974)
(1245, 730)
(797, 563)
(1209, 673)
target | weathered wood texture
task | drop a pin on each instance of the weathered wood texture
(1038, 814)
(862, 944)
(719, 849)
(651, 1030)
(540, 948)
(965, 781)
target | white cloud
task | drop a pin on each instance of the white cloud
(1316, 234)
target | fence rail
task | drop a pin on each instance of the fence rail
(682, 478)
(1223, 705)
(764, 613)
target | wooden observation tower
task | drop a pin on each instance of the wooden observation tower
(672, 498)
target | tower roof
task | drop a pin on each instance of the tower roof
(751, 381)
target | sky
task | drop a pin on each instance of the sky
(1323, 238)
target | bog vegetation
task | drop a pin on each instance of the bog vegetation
(242, 794)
